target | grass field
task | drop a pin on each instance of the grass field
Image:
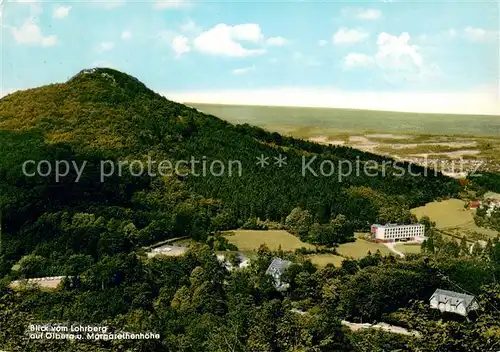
(451, 217)
(408, 248)
(250, 240)
(322, 260)
(360, 248)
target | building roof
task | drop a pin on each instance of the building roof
(395, 225)
(168, 248)
(456, 298)
(278, 265)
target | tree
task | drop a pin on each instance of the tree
(33, 266)
(299, 222)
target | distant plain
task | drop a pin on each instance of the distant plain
(403, 135)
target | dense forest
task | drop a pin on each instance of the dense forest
(108, 115)
(92, 229)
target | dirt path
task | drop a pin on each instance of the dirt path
(384, 326)
(391, 246)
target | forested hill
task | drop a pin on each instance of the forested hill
(103, 114)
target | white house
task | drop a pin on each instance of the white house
(478, 243)
(453, 302)
(167, 250)
(243, 261)
(492, 206)
(276, 269)
(396, 233)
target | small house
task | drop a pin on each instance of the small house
(276, 269)
(474, 204)
(453, 302)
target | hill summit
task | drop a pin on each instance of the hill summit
(112, 77)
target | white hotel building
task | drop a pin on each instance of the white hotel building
(396, 233)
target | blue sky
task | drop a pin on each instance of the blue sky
(427, 55)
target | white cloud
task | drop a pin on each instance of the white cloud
(479, 34)
(369, 14)
(61, 11)
(322, 42)
(223, 40)
(354, 60)
(362, 14)
(30, 34)
(350, 36)
(249, 32)
(397, 59)
(276, 41)
(396, 53)
(240, 71)
(126, 35)
(170, 4)
(105, 46)
(180, 45)
(477, 101)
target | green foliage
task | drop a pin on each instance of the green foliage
(91, 230)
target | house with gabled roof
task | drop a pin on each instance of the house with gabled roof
(453, 302)
(276, 269)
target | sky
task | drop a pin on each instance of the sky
(423, 56)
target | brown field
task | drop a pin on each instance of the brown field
(250, 240)
(451, 217)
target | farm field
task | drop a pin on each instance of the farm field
(250, 240)
(452, 218)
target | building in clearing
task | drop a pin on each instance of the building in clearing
(453, 302)
(477, 244)
(398, 233)
(167, 250)
(243, 261)
(474, 204)
(276, 270)
(41, 282)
